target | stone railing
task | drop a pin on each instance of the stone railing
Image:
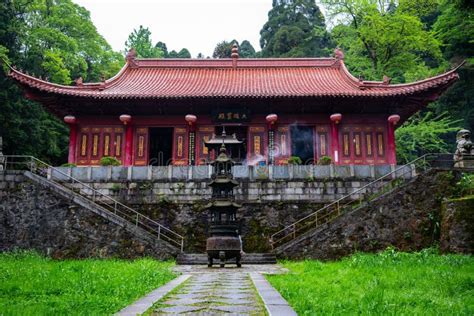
(318, 184)
(199, 173)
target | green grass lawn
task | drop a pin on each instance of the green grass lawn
(389, 283)
(33, 285)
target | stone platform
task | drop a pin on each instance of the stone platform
(248, 258)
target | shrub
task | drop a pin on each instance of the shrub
(69, 165)
(110, 161)
(324, 161)
(295, 160)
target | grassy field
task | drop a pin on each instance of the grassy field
(33, 285)
(389, 283)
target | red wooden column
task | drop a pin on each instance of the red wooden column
(271, 125)
(191, 120)
(127, 121)
(392, 154)
(335, 120)
(71, 121)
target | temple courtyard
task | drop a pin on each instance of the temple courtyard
(387, 283)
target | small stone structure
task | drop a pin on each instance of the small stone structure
(464, 155)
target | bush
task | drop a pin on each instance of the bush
(110, 161)
(324, 161)
(68, 165)
(295, 160)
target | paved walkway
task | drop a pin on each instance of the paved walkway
(216, 291)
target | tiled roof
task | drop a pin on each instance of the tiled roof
(234, 78)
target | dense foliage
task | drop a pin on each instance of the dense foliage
(140, 40)
(295, 28)
(389, 283)
(54, 40)
(224, 49)
(35, 285)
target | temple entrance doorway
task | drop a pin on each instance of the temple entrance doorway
(302, 143)
(240, 132)
(161, 146)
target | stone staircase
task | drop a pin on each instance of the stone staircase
(88, 197)
(93, 207)
(314, 223)
(248, 258)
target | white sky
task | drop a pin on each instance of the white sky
(195, 25)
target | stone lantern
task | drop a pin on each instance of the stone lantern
(224, 241)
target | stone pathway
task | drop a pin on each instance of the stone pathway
(215, 291)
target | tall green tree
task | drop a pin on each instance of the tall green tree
(246, 50)
(163, 48)
(295, 28)
(54, 40)
(141, 40)
(224, 49)
(386, 38)
(184, 53)
(455, 29)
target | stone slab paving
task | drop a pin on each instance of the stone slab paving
(215, 291)
(146, 302)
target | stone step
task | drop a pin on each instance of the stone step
(248, 258)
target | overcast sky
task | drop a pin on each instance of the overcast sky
(196, 25)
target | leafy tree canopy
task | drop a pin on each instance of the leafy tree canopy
(386, 38)
(295, 28)
(141, 40)
(224, 49)
(53, 39)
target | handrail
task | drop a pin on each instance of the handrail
(289, 232)
(136, 217)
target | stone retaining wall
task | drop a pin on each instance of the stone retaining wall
(407, 218)
(33, 217)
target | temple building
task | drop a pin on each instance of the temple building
(164, 111)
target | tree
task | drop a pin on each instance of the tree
(224, 49)
(295, 28)
(455, 29)
(163, 48)
(184, 53)
(423, 134)
(141, 40)
(380, 38)
(55, 40)
(246, 50)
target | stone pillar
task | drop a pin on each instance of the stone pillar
(127, 121)
(335, 120)
(391, 153)
(71, 122)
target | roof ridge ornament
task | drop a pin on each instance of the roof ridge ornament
(386, 80)
(79, 81)
(131, 58)
(235, 55)
(338, 54)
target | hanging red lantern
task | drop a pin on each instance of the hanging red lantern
(393, 119)
(125, 119)
(191, 119)
(336, 118)
(70, 119)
